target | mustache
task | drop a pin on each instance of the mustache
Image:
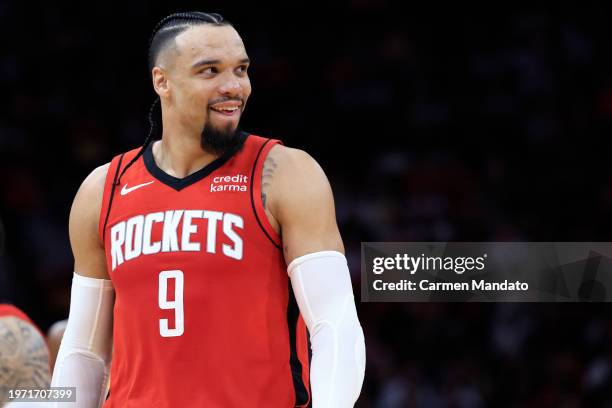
(225, 99)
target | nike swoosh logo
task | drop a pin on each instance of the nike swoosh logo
(125, 190)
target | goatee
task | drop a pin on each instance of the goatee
(220, 140)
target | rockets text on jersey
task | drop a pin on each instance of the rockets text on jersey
(133, 237)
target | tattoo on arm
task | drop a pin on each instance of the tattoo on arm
(24, 358)
(266, 177)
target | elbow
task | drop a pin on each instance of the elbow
(339, 357)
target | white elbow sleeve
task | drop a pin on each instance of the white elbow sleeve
(322, 285)
(85, 352)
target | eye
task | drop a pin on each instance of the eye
(242, 69)
(208, 71)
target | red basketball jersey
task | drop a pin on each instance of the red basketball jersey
(204, 314)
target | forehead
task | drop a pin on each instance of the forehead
(211, 42)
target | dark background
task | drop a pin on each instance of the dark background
(440, 125)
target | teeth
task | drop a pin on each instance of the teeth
(229, 109)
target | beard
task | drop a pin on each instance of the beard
(220, 140)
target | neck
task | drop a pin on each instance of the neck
(179, 153)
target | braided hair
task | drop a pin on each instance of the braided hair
(163, 34)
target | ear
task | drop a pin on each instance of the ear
(160, 81)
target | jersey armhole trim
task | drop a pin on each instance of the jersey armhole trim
(107, 198)
(256, 202)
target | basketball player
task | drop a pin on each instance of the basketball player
(24, 358)
(196, 251)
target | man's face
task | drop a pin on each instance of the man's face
(208, 81)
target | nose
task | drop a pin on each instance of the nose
(230, 86)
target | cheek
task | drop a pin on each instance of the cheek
(195, 104)
(246, 87)
(194, 92)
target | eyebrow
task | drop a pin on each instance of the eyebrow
(216, 62)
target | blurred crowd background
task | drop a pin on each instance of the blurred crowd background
(441, 124)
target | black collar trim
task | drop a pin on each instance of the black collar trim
(180, 183)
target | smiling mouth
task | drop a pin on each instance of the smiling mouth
(227, 108)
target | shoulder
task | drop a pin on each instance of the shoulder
(296, 179)
(87, 203)
(25, 351)
(91, 190)
(8, 310)
(26, 331)
(94, 182)
(292, 161)
(84, 223)
(301, 200)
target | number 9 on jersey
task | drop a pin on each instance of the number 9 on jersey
(176, 304)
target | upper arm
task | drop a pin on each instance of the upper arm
(301, 200)
(87, 248)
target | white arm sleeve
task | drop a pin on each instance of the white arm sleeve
(322, 286)
(85, 352)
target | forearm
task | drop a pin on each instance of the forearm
(85, 351)
(322, 286)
